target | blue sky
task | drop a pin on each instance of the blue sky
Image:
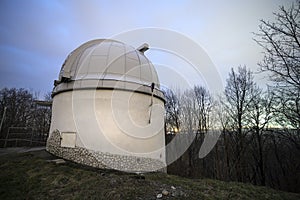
(37, 35)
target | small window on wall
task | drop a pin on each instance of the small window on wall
(68, 139)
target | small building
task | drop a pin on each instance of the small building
(108, 109)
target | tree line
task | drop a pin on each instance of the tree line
(260, 128)
(21, 113)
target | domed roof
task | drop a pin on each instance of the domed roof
(108, 60)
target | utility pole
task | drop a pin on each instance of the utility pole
(2, 120)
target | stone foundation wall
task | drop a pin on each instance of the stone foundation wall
(102, 160)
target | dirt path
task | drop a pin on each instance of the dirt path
(4, 151)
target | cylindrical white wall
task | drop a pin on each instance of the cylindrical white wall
(108, 110)
(112, 121)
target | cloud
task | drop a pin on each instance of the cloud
(36, 36)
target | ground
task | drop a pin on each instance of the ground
(34, 175)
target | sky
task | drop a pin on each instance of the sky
(37, 35)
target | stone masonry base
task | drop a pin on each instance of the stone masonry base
(102, 160)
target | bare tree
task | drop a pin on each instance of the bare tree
(42, 116)
(240, 91)
(190, 114)
(172, 107)
(203, 109)
(225, 122)
(18, 104)
(48, 97)
(20, 110)
(259, 116)
(281, 43)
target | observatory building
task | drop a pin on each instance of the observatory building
(108, 109)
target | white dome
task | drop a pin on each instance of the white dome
(107, 109)
(108, 60)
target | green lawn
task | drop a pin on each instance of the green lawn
(31, 176)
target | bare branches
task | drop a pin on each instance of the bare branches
(281, 43)
(189, 111)
(173, 112)
(22, 111)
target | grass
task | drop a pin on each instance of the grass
(31, 176)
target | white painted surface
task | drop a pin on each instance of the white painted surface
(103, 94)
(68, 139)
(123, 130)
